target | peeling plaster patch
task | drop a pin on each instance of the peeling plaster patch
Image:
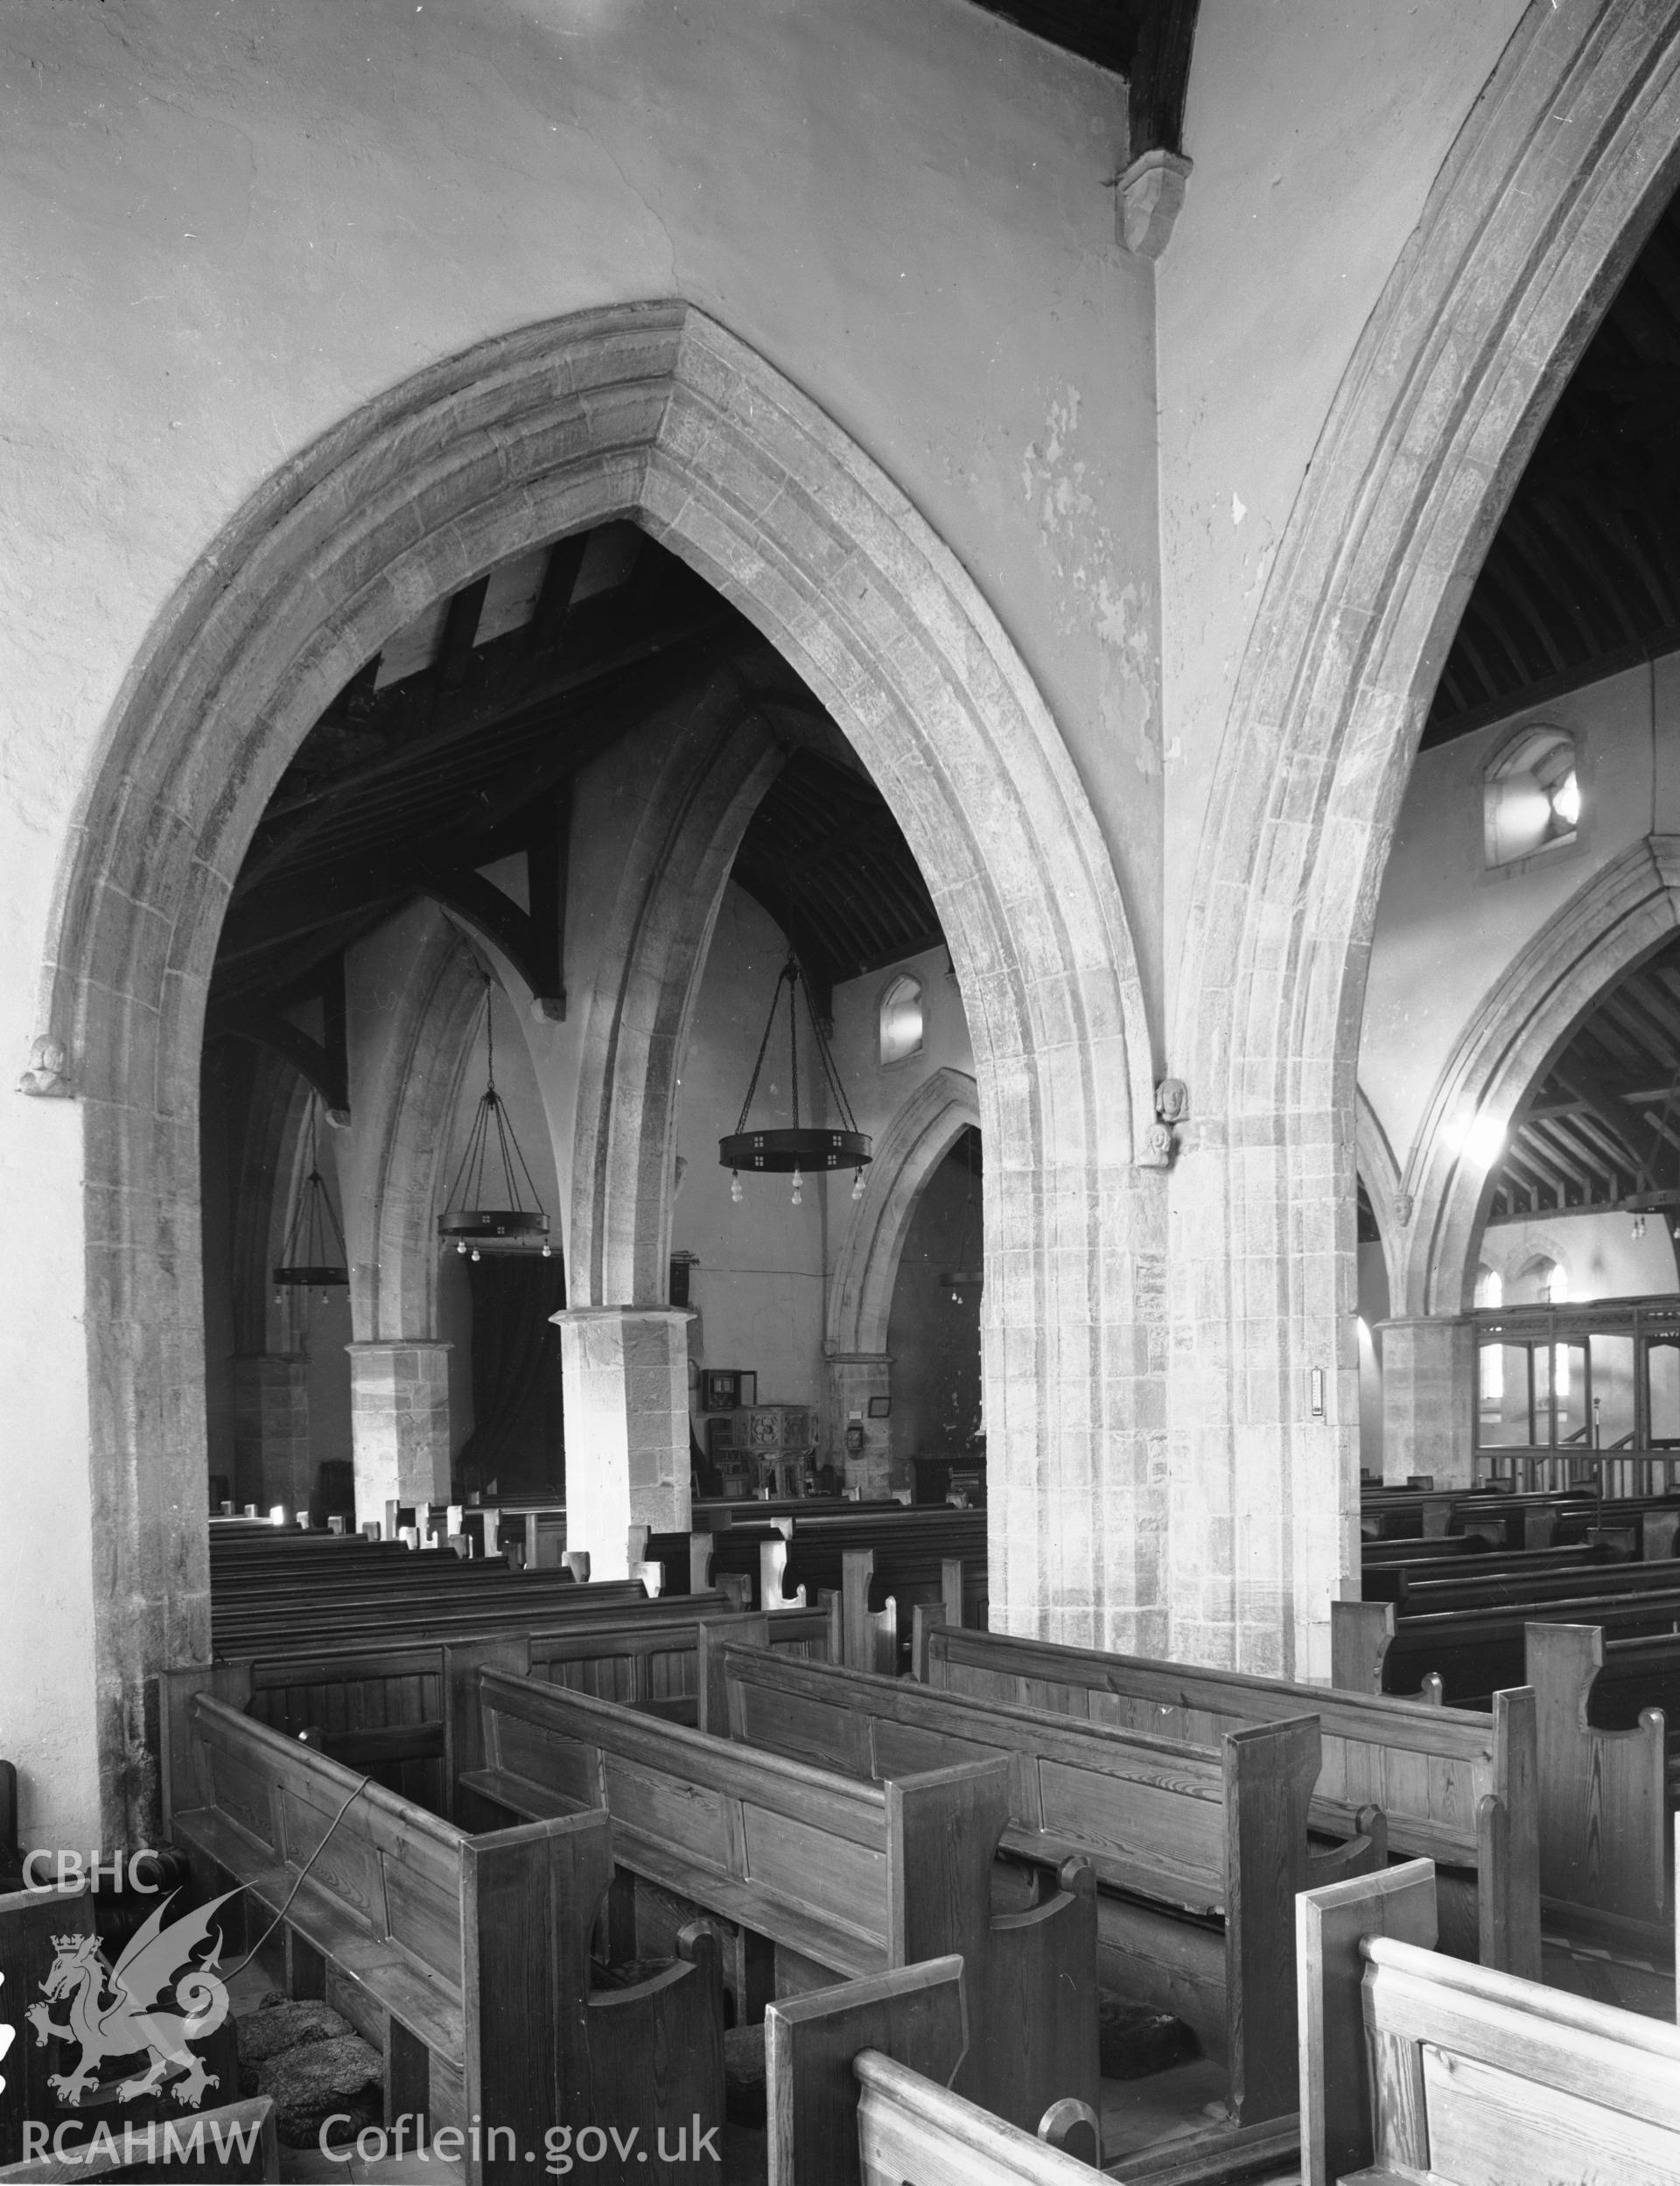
(1081, 558)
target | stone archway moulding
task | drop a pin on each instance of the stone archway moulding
(1380, 1173)
(701, 795)
(1612, 922)
(654, 413)
(912, 1147)
(1555, 179)
(410, 1106)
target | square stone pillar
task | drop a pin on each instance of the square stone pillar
(1429, 1394)
(854, 1377)
(399, 1423)
(271, 1461)
(625, 1375)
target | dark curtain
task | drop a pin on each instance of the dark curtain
(516, 1439)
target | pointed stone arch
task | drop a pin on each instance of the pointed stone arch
(408, 1107)
(912, 1147)
(654, 413)
(703, 793)
(1556, 179)
(1611, 923)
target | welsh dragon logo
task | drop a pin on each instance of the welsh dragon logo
(154, 1999)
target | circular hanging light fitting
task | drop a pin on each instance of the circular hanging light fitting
(791, 1151)
(493, 1212)
(311, 1262)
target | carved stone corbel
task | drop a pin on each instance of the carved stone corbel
(1147, 202)
(48, 1074)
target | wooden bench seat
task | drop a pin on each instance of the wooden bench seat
(1460, 1789)
(843, 1877)
(1199, 1850)
(463, 1958)
(1466, 2077)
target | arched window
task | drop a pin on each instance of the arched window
(901, 1020)
(1531, 799)
(1490, 1290)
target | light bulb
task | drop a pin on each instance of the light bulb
(799, 1189)
(547, 1252)
(857, 1185)
(476, 1255)
(461, 1248)
(735, 1186)
(279, 1298)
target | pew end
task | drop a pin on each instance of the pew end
(1361, 1635)
(1331, 1926)
(915, 2015)
(925, 1619)
(1604, 1826)
(674, 2016)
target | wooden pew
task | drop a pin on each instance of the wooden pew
(1501, 1573)
(922, 1556)
(1506, 1584)
(348, 1616)
(837, 2117)
(380, 1710)
(1198, 1850)
(1466, 2077)
(1459, 1788)
(463, 1959)
(1465, 1656)
(844, 1878)
(1603, 1789)
(1518, 1521)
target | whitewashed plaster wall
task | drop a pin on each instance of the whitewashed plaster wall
(1599, 1254)
(877, 1089)
(1447, 926)
(1317, 129)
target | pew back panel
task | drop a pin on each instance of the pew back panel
(1431, 1771)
